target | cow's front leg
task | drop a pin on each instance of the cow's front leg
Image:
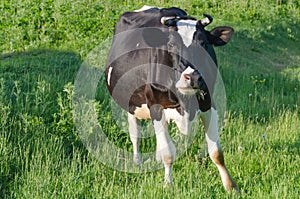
(165, 147)
(134, 133)
(210, 119)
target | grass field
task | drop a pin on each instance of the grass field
(43, 45)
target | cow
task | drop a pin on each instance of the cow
(157, 70)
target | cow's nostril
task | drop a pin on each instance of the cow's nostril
(186, 77)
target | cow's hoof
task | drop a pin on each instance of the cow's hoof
(168, 184)
(233, 188)
(236, 189)
(137, 159)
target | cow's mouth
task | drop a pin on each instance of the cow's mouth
(187, 90)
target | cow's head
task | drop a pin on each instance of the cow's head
(185, 39)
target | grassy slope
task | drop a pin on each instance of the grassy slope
(41, 155)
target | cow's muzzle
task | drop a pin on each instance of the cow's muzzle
(196, 80)
(190, 82)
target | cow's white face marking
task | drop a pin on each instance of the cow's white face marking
(186, 29)
(109, 75)
(183, 84)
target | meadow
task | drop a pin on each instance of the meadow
(43, 45)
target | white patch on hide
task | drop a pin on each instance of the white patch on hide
(142, 112)
(109, 75)
(182, 121)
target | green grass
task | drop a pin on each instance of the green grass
(43, 45)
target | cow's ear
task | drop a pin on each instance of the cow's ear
(155, 37)
(220, 36)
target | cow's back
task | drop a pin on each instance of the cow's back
(146, 18)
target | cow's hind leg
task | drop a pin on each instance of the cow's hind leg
(165, 147)
(134, 133)
(210, 119)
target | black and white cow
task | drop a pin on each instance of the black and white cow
(162, 66)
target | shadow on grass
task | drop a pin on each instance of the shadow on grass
(33, 102)
(261, 73)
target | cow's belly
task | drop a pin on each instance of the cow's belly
(143, 113)
(171, 115)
